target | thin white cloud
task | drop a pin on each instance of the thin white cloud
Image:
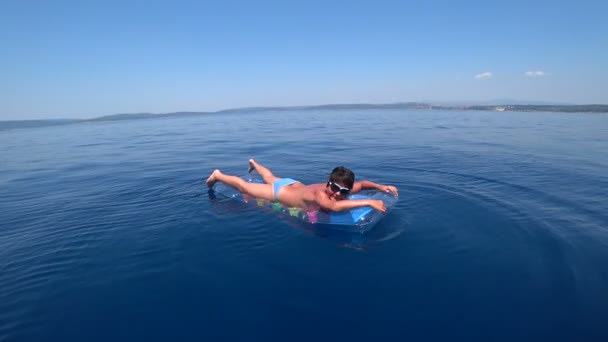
(484, 76)
(535, 73)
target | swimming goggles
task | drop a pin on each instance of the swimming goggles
(337, 188)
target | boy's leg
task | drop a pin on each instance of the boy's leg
(261, 191)
(266, 174)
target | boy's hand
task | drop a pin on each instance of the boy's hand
(378, 205)
(389, 188)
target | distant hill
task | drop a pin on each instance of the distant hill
(496, 102)
(546, 108)
(592, 108)
(352, 106)
(116, 117)
(5, 125)
(135, 116)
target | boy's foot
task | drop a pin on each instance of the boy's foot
(212, 178)
(251, 165)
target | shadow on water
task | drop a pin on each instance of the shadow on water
(387, 229)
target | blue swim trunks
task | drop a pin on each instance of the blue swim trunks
(278, 184)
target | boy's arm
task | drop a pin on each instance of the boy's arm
(358, 186)
(324, 202)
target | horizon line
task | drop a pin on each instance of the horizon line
(445, 104)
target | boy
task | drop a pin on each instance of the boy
(291, 193)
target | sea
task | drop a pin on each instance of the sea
(108, 231)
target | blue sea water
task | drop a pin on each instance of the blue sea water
(108, 233)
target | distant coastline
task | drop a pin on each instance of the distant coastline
(592, 108)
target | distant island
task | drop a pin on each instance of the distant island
(592, 108)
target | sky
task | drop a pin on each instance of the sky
(84, 59)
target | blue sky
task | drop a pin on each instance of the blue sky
(82, 59)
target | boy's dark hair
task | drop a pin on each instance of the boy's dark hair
(342, 175)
